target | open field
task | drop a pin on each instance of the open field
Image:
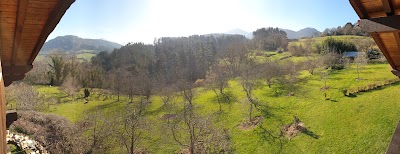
(319, 40)
(358, 124)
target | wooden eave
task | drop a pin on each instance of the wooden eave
(381, 18)
(24, 28)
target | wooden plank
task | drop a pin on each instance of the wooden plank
(383, 24)
(21, 12)
(394, 145)
(397, 37)
(388, 6)
(54, 17)
(42, 5)
(373, 6)
(3, 129)
(16, 69)
(359, 8)
(381, 46)
(8, 79)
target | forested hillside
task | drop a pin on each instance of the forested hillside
(70, 43)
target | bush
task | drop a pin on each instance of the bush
(339, 46)
(372, 86)
(56, 133)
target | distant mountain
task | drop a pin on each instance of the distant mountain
(71, 43)
(306, 32)
(248, 35)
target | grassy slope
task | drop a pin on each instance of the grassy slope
(345, 125)
(83, 55)
(320, 39)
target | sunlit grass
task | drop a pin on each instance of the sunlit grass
(361, 124)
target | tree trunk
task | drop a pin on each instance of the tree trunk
(358, 74)
(251, 111)
(218, 99)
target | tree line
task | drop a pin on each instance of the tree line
(171, 69)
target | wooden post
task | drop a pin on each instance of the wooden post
(3, 144)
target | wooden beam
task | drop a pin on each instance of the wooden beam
(16, 70)
(19, 25)
(383, 24)
(52, 21)
(381, 46)
(394, 147)
(8, 79)
(1, 37)
(397, 37)
(3, 130)
(388, 6)
(359, 8)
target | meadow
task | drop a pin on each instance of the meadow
(362, 123)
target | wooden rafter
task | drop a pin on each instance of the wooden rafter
(359, 8)
(388, 6)
(16, 69)
(3, 130)
(19, 25)
(53, 19)
(397, 37)
(381, 46)
(383, 24)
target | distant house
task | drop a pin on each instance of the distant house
(350, 54)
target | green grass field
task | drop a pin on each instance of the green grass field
(82, 55)
(319, 40)
(85, 56)
(361, 124)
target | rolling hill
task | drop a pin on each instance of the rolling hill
(291, 34)
(71, 43)
(306, 32)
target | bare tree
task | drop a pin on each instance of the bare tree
(361, 60)
(249, 76)
(70, 86)
(270, 71)
(131, 124)
(116, 79)
(99, 127)
(23, 95)
(328, 61)
(309, 45)
(310, 64)
(39, 73)
(194, 131)
(233, 57)
(217, 81)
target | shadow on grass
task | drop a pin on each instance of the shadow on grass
(227, 98)
(270, 138)
(310, 133)
(351, 95)
(102, 106)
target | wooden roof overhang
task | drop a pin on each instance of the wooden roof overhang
(24, 28)
(381, 18)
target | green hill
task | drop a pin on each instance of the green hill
(71, 43)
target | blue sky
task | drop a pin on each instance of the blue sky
(124, 21)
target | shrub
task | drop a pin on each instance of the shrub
(55, 133)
